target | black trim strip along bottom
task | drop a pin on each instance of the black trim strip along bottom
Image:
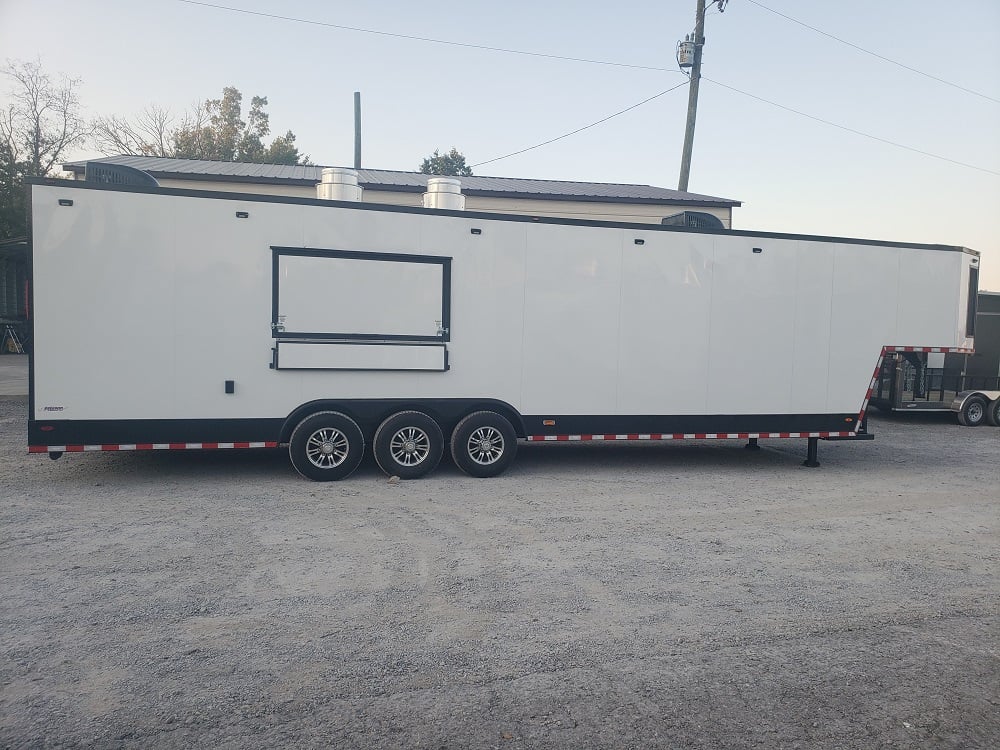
(447, 412)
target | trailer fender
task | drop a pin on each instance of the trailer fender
(370, 413)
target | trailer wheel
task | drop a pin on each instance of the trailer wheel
(483, 444)
(973, 412)
(326, 446)
(993, 413)
(408, 445)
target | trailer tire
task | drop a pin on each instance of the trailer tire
(973, 411)
(409, 445)
(326, 446)
(483, 444)
(993, 413)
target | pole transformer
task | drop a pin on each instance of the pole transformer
(692, 115)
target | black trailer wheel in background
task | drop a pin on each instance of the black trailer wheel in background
(483, 444)
(993, 413)
(326, 446)
(408, 445)
(973, 412)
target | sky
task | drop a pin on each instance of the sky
(792, 173)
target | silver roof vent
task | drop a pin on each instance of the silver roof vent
(444, 192)
(339, 184)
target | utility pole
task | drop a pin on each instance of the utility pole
(357, 130)
(699, 42)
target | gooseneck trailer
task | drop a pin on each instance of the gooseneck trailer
(177, 319)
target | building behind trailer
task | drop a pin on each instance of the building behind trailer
(599, 201)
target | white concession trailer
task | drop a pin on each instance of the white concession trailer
(178, 319)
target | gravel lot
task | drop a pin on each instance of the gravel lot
(655, 595)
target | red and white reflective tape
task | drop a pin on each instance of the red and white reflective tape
(935, 349)
(146, 447)
(871, 386)
(684, 436)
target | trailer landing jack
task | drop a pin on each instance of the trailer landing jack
(813, 449)
(811, 453)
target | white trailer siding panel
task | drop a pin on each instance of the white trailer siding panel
(920, 273)
(146, 303)
(811, 318)
(488, 302)
(221, 273)
(573, 288)
(864, 316)
(103, 301)
(665, 321)
(752, 326)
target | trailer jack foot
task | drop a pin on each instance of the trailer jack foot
(752, 445)
(811, 460)
(55, 455)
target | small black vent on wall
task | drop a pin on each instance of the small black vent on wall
(694, 219)
(970, 312)
(118, 174)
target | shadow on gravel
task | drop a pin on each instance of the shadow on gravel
(657, 456)
(945, 416)
(211, 465)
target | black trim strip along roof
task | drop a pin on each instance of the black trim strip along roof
(485, 216)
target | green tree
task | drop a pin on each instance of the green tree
(12, 209)
(215, 129)
(451, 163)
(41, 122)
(283, 151)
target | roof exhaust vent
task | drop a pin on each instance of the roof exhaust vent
(339, 184)
(444, 192)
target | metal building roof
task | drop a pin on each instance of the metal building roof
(415, 182)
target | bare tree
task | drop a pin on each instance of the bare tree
(43, 119)
(40, 123)
(149, 134)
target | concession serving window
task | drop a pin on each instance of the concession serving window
(397, 303)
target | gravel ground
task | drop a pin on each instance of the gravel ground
(654, 595)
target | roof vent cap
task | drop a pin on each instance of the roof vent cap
(339, 184)
(444, 192)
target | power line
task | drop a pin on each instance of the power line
(579, 130)
(467, 45)
(760, 99)
(874, 54)
(850, 130)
